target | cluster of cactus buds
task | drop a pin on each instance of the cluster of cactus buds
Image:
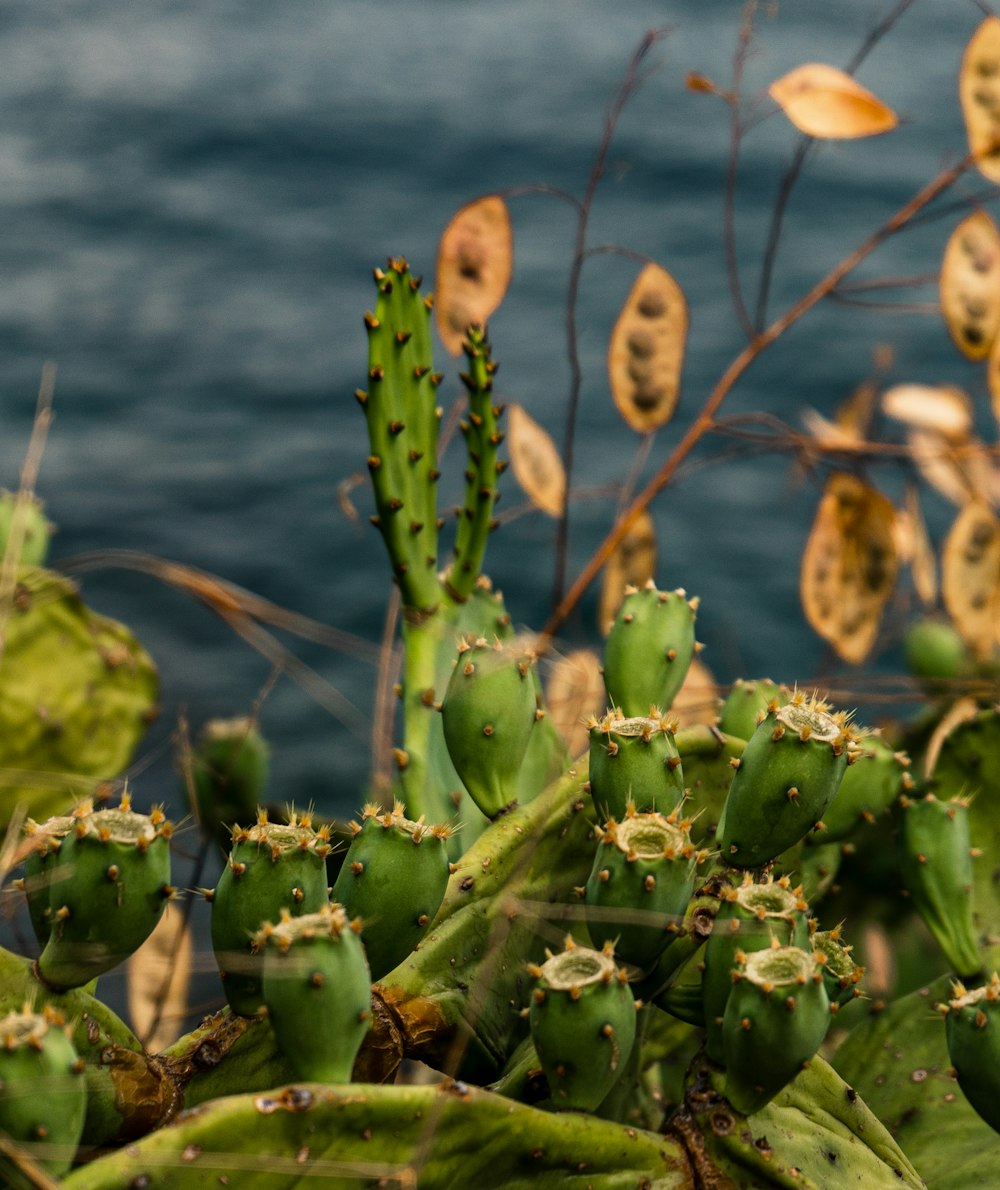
(393, 878)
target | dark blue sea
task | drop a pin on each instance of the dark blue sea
(193, 196)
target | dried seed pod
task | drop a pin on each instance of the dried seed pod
(970, 576)
(474, 265)
(979, 91)
(823, 101)
(537, 464)
(970, 284)
(633, 564)
(646, 352)
(574, 691)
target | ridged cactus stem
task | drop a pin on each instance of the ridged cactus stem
(482, 439)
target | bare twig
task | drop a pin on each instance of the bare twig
(732, 169)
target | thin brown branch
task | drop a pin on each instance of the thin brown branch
(732, 170)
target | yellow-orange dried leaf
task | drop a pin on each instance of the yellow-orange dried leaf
(697, 701)
(938, 463)
(646, 352)
(822, 101)
(970, 285)
(159, 977)
(979, 91)
(474, 265)
(943, 409)
(632, 564)
(574, 691)
(970, 576)
(993, 377)
(849, 566)
(917, 549)
(537, 465)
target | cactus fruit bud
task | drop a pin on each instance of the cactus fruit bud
(42, 862)
(649, 648)
(937, 869)
(755, 915)
(488, 714)
(841, 974)
(788, 775)
(393, 878)
(776, 1018)
(23, 523)
(972, 1027)
(747, 703)
(867, 792)
(270, 868)
(110, 886)
(641, 882)
(317, 989)
(634, 761)
(43, 1096)
(229, 769)
(936, 652)
(582, 1019)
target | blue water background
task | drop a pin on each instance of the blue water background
(192, 197)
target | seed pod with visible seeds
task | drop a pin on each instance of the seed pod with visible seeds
(317, 989)
(649, 649)
(110, 886)
(972, 1027)
(393, 878)
(634, 762)
(776, 1018)
(582, 1019)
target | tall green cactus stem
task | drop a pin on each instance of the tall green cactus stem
(583, 1018)
(110, 887)
(753, 916)
(747, 704)
(229, 768)
(776, 1018)
(271, 867)
(634, 762)
(482, 439)
(649, 649)
(936, 859)
(788, 775)
(972, 1029)
(867, 792)
(24, 528)
(393, 878)
(43, 1098)
(488, 712)
(640, 885)
(42, 862)
(317, 988)
(400, 408)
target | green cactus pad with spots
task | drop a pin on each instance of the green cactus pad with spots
(229, 768)
(649, 649)
(634, 762)
(972, 1030)
(747, 703)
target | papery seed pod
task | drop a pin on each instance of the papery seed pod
(789, 772)
(393, 878)
(776, 1018)
(43, 1096)
(634, 762)
(640, 884)
(317, 989)
(936, 861)
(582, 1019)
(755, 915)
(747, 703)
(972, 1027)
(271, 867)
(649, 649)
(489, 711)
(109, 889)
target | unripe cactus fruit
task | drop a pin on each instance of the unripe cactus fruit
(747, 704)
(582, 1018)
(634, 761)
(489, 711)
(841, 974)
(43, 1096)
(639, 887)
(110, 887)
(867, 792)
(755, 915)
(972, 1027)
(317, 989)
(649, 648)
(393, 878)
(229, 769)
(23, 520)
(776, 1018)
(788, 775)
(937, 869)
(43, 861)
(935, 651)
(271, 867)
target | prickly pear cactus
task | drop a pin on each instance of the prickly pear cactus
(649, 649)
(634, 762)
(24, 528)
(229, 769)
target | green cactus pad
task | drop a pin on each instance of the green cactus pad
(317, 989)
(393, 878)
(789, 773)
(707, 758)
(972, 1030)
(488, 712)
(78, 694)
(936, 861)
(747, 703)
(776, 1018)
(43, 1098)
(867, 792)
(270, 868)
(582, 1019)
(649, 649)
(634, 762)
(229, 768)
(640, 884)
(108, 891)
